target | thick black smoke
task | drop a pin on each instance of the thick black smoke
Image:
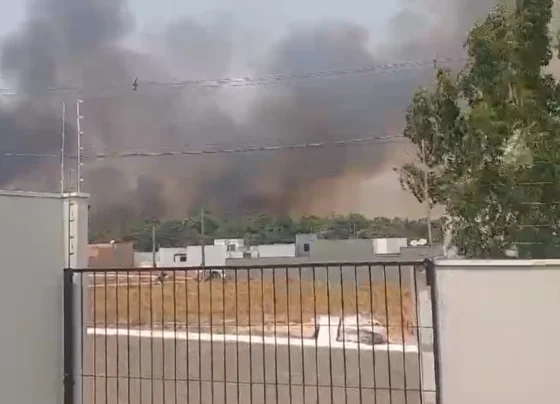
(79, 43)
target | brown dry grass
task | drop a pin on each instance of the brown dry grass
(246, 303)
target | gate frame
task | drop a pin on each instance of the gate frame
(431, 282)
(69, 337)
(73, 339)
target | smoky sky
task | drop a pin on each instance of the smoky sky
(80, 43)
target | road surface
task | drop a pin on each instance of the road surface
(155, 371)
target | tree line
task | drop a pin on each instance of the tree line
(263, 229)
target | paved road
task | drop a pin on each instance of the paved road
(150, 371)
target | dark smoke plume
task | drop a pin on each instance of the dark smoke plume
(80, 43)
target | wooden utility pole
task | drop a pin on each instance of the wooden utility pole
(202, 236)
(427, 194)
(153, 245)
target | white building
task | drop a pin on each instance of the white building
(191, 256)
(215, 255)
(276, 251)
(172, 257)
(383, 246)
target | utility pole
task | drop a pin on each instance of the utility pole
(427, 194)
(202, 236)
(62, 147)
(153, 244)
(426, 174)
(79, 118)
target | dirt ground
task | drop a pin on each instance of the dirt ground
(258, 304)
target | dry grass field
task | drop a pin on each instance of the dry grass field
(255, 303)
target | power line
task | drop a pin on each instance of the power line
(246, 149)
(273, 79)
(251, 81)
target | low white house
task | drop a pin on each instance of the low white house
(215, 255)
(276, 251)
(172, 257)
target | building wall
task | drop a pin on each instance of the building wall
(276, 250)
(342, 250)
(215, 255)
(388, 245)
(33, 247)
(301, 241)
(111, 255)
(168, 257)
(499, 331)
(145, 259)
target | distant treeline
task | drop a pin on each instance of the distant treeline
(263, 229)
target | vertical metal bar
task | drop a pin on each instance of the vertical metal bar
(117, 337)
(79, 134)
(274, 302)
(69, 337)
(62, 147)
(187, 368)
(163, 377)
(432, 283)
(263, 320)
(418, 331)
(140, 323)
(343, 314)
(128, 335)
(224, 333)
(106, 354)
(357, 292)
(81, 347)
(199, 331)
(174, 274)
(388, 325)
(237, 337)
(251, 340)
(94, 357)
(152, 393)
(317, 330)
(303, 380)
(405, 384)
(290, 392)
(373, 358)
(331, 384)
(212, 381)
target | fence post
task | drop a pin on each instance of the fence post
(431, 280)
(69, 337)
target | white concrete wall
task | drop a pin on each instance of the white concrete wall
(145, 259)
(33, 253)
(499, 331)
(166, 257)
(215, 255)
(388, 245)
(276, 250)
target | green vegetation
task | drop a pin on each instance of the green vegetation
(490, 136)
(263, 229)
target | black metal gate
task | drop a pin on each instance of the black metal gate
(307, 333)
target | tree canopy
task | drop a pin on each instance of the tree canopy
(260, 229)
(489, 138)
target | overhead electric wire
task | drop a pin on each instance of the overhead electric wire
(227, 82)
(211, 151)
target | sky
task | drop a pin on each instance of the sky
(257, 15)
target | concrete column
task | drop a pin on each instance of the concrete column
(75, 213)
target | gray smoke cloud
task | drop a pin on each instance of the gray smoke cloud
(80, 43)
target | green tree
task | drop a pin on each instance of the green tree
(488, 137)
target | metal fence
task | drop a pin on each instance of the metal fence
(324, 333)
